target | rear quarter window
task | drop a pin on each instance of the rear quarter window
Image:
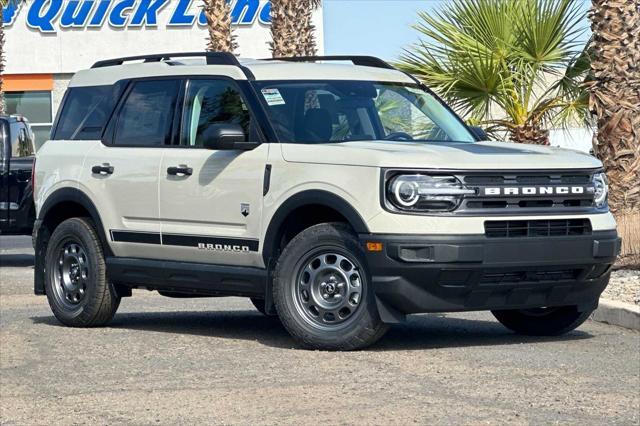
(146, 115)
(85, 113)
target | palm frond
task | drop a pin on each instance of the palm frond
(502, 61)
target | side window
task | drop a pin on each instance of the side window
(25, 143)
(211, 102)
(146, 117)
(85, 112)
(22, 142)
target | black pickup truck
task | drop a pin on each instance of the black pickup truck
(17, 154)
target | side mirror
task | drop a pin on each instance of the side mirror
(226, 136)
(479, 133)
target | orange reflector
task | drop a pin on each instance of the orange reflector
(371, 246)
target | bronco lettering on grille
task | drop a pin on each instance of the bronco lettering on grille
(538, 190)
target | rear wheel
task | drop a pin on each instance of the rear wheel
(76, 284)
(542, 321)
(322, 290)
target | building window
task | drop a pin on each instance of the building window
(36, 106)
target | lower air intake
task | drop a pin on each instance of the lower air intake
(537, 228)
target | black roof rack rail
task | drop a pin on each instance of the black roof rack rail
(213, 58)
(365, 61)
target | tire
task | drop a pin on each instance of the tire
(542, 321)
(259, 305)
(339, 311)
(76, 284)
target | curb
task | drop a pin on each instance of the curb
(621, 314)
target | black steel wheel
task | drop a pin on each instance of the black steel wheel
(322, 293)
(76, 284)
(70, 274)
(328, 288)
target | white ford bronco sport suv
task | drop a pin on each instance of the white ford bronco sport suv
(339, 196)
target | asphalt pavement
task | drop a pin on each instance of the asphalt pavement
(218, 361)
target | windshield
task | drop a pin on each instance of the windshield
(313, 112)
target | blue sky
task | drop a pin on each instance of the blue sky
(378, 27)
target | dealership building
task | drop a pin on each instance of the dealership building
(49, 40)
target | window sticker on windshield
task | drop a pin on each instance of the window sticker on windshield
(273, 97)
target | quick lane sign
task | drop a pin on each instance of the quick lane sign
(48, 16)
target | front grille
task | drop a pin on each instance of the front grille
(516, 277)
(537, 228)
(525, 201)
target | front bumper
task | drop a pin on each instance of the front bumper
(417, 274)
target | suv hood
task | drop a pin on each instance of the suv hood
(440, 155)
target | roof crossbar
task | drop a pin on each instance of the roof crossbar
(365, 61)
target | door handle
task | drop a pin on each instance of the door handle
(180, 171)
(104, 169)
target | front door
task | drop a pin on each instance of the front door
(211, 200)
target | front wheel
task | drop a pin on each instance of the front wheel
(542, 321)
(78, 291)
(322, 290)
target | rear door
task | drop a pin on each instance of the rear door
(122, 172)
(212, 214)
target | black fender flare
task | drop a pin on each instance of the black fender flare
(301, 199)
(76, 196)
(42, 233)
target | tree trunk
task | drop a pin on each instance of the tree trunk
(292, 32)
(615, 100)
(307, 31)
(529, 133)
(3, 105)
(218, 14)
(286, 39)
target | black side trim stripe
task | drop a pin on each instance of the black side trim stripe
(135, 237)
(182, 240)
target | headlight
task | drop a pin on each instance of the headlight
(601, 186)
(423, 193)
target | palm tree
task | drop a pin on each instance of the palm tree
(308, 29)
(218, 14)
(292, 31)
(4, 4)
(615, 100)
(513, 66)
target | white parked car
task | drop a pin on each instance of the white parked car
(336, 192)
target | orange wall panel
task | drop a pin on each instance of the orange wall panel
(27, 82)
